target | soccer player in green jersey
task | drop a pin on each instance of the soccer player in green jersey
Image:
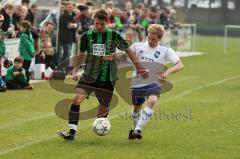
(98, 51)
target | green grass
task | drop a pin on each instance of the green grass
(210, 90)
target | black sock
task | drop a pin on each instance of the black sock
(74, 117)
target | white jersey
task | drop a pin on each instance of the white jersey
(154, 60)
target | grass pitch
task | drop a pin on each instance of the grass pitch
(199, 118)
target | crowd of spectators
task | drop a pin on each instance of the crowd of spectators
(38, 45)
(17, 21)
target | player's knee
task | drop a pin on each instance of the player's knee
(78, 98)
(152, 100)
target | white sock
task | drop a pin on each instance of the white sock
(73, 127)
(145, 116)
(135, 118)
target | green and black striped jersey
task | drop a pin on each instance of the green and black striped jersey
(97, 45)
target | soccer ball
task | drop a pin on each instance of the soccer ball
(101, 126)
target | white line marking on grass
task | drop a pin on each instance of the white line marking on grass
(168, 100)
(181, 79)
(26, 121)
(19, 147)
(25, 145)
(199, 88)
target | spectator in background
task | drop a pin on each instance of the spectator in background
(48, 28)
(111, 24)
(43, 36)
(85, 19)
(109, 7)
(67, 33)
(62, 9)
(137, 25)
(116, 15)
(144, 22)
(140, 8)
(2, 85)
(26, 47)
(153, 15)
(31, 13)
(9, 21)
(2, 45)
(91, 8)
(172, 20)
(17, 15)
(34, 31)
(18, 9)
(129, 9)
(125, 18)
(76, 11)
(16, 76)
(24, 12)
(26, 3)
(163, 19)
(48, 52)
(44, 56)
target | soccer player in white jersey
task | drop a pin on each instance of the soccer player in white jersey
(153, 55)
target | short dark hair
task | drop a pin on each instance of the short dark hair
(26, 24)
(101, 14)
(82, 8)
(34, 6)
(90, 4)
(18, 59)
(26, 1)
(153, 9)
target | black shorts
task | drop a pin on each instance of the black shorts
(102, 89)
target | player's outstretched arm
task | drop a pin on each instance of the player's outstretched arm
(80, 59)
(140, 70)
(177, 67)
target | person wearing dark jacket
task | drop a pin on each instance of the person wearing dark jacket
(85, 20)
(9, 18)
(163, 18)
(67, 33)
(31, 13)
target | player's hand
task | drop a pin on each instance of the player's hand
(162, 78)
(70, 26)
(109, 57)
(75, 75)
(143, 72)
